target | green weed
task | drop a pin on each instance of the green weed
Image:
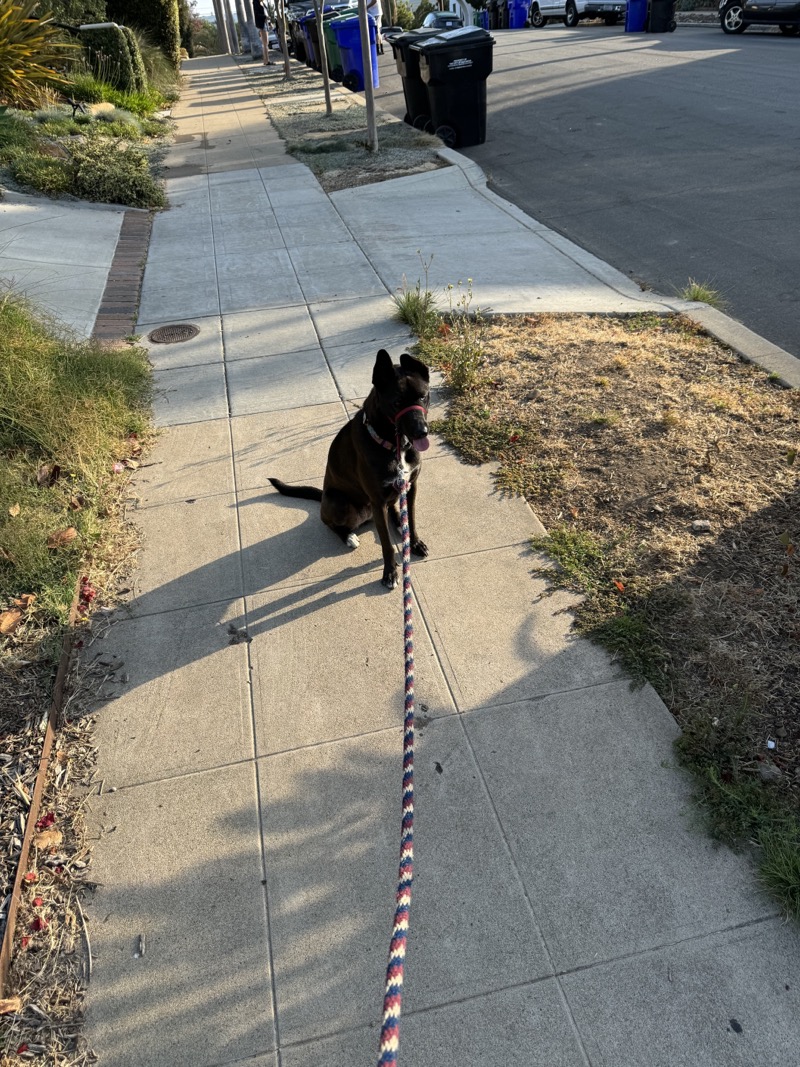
(702, 293)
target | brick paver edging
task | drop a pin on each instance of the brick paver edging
(116, 317)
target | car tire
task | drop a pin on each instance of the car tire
(788, 30)
(611, 20)
(572, 18)
(448, 135)
(732, 18)
(537, 19)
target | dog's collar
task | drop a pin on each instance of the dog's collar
(374, 434)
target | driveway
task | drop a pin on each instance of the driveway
(670, 156)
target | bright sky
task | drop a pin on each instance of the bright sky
(205, 7)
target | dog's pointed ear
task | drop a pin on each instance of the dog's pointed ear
(383, 376)
(414, 366)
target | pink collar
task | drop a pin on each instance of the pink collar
(373, 434)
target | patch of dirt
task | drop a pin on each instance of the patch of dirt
(335, 146)
(681, 461)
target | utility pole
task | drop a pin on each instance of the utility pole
(369, 92)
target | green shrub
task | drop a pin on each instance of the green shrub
(85, 87)
(404, 15)
(186, 26)
(115, 175)
(422, 12)
(91, 90)
(75, 12)
(110, 58)
(30, 49)
(47, 175)
(70, 404)
(15, 132)
(137, 63)
(158, 18)
(160, 71)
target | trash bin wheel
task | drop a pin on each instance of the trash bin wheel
(352, 82)
(447, 134)
(421, 122)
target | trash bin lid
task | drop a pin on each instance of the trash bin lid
(463, 36)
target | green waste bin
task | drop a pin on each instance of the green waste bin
(334, 55)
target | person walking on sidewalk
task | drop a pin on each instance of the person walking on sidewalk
(260, 16)
(374, 9)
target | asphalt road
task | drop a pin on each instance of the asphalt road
(670, 156)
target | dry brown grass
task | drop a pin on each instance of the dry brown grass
(624, 433)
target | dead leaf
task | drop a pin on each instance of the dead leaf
(14, 510)
(619, 585)
(131, 464)
(76, 502)
(6, 555)
(48, 839)
(24, 601)
(62, 537)
(48, 473)
(12, 1005)
(10, 620)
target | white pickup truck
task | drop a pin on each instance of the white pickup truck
(570, 12)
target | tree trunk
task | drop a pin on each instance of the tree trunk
(281, 28)
(369, 92)
(323, 56)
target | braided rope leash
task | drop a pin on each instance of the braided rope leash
(393, 996)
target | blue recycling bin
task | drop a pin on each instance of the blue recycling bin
(348, 37)
(485, 20)
(517, 14)
(636, 16)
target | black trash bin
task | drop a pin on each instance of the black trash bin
(661, 16)
(491, 7)
(455, 65)
(298, 40)
(502, 14)
(415, 91)
(313, 31)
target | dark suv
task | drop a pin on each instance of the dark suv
(736, 15)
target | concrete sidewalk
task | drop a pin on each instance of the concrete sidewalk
(566, 911)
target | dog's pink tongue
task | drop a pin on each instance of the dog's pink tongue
(422, 444)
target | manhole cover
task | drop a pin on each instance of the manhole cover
(170, 335)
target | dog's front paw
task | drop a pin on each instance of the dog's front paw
(419, 548)
(389, 578)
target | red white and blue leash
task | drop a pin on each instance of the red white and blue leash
(393, 995)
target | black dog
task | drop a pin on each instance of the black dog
(361, 478)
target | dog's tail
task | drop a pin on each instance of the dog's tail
(307, 492)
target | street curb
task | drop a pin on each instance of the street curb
(748, 345)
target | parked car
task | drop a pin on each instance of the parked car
(570, 12)
(736, 15)
(442, 20)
